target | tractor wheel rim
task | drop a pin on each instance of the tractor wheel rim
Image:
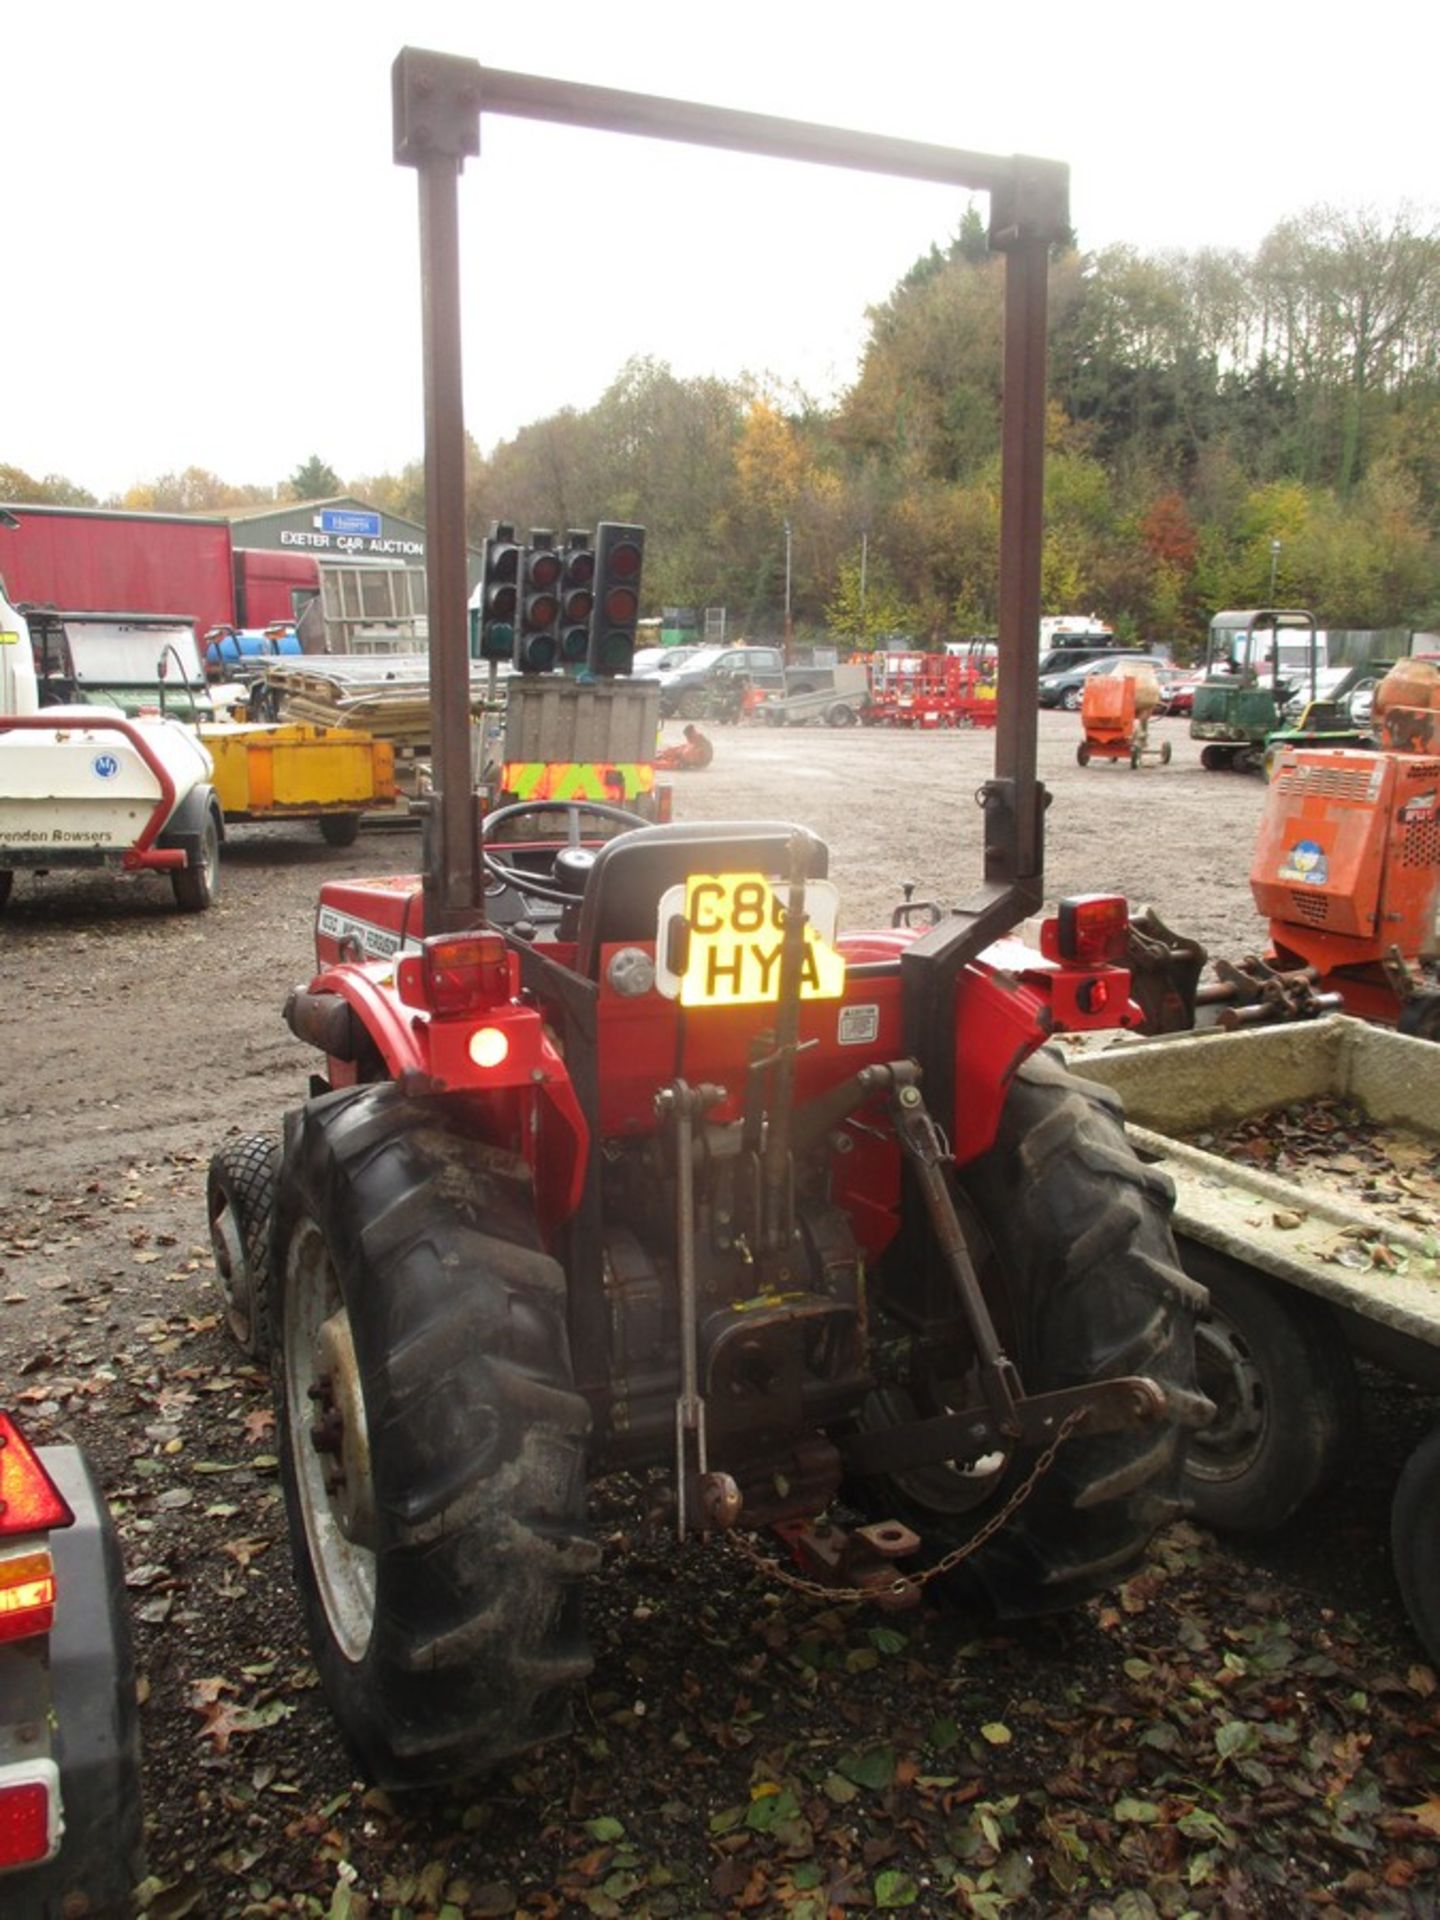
(1229, 1446)
(329, 1447)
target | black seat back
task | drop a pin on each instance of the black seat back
(632, 871)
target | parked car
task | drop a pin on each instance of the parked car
(1177, 688)
(1066, 689)
(654, 660)
(685, 688)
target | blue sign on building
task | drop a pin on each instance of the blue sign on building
(340, 520)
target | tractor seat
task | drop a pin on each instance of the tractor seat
(622, 893)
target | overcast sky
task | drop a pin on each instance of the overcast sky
(210, 258)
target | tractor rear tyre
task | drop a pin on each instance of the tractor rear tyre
(196, 885)
(1286, 1401)
(240, 1201)
(1216, 759)
(1072, 1241)
(339, 829)
(432, 1442)
(1415, 1541)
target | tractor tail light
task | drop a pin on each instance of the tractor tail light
(29, 1813)
(27, 1594)
(30, 1501)
(456, 974)
(1089, 930)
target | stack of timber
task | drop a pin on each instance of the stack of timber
(386, 696)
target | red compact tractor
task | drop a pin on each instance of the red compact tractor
(657, 1171)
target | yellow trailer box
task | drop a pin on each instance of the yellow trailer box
(290, 770)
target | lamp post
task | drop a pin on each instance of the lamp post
(789, 625)
(1274, 567)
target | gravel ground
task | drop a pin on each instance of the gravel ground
(737, 1752)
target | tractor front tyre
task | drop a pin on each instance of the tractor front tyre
(240, 1202)
(1275, 1364)
(339, 829)
(432, 1443)
(1415, 1541)
(1075, 1254)
(196, 884)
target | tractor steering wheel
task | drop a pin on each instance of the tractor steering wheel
(524, 882)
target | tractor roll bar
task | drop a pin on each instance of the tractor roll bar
(437, 101)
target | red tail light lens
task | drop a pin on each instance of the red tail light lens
(1089, 930)
(456, 973)
(30, 1502)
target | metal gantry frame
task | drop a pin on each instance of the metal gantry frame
(438, 101)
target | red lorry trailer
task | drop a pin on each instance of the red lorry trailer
(91, 560)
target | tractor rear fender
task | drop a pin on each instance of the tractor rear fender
(500, 1057)
(1001, 1018)
(1007, 1004)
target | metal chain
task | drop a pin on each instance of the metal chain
(905, 1584)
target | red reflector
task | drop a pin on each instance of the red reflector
(30, 1502)
(1090, 928)
(27, 1594)
(24, 1824)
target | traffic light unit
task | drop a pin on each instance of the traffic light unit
(577, 596)
(536, 637)
(492, 608)
(619, 555)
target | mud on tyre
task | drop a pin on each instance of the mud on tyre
(432, 1445)
(1070, 1232)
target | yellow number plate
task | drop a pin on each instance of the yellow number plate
(720, 938)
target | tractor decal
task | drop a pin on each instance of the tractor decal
(577, 779)
(376, 943)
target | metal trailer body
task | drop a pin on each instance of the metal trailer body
(837, 703)
(1301, 1255)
